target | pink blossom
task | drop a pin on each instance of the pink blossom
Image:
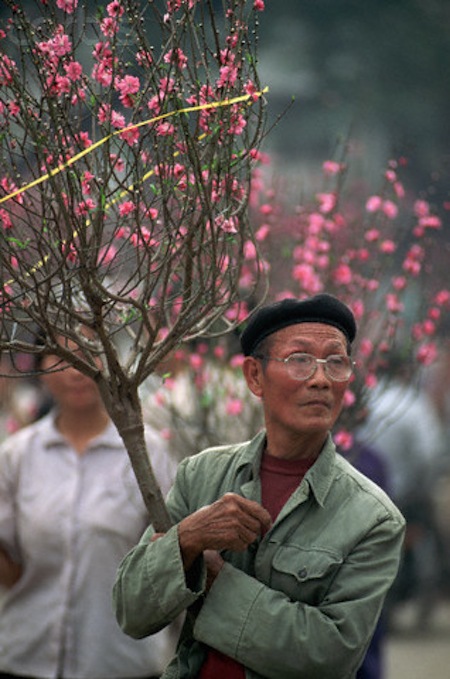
(249, 250)
(70, 252)
(227, 225)
(73, 70)
(327, 202)
(399, 189)
(176, 56)
(393, 303)
(143, 238)
(237, 361)
(85, 206)
(434, 313)
(372, 235)
(306, 277)
(127, 87)
(117, 162)
(130, 135)
(250, 89)
(421, 208)
(417, 332)
(331, 167)
(165, 129)
(115, 9)
(358, 309)
(237, 312)
(258, 5)
(373, 204)
(58, 46)
(412, 266)
(390, 209)
(366, 347)
(85, 182)
(126, 208)
(442, 297)
(5, 219)
(363, 255)
(234, 406)
(263, 158)
(427, 353)
(102, 74)
(237, 124)
(196, 361)
(107, 254)
(7, 69)
(388, 247)
(10, 187)
(262, 233)
(391, 176)
(59, 84)
(219, 352)
(13, 108)
(109, 27)
(372, 284)
(349, 398)
(399, 283)
(371, 380)
(429, 327)
(316, 222)
(227, 76)
(68, 6)
(144, 58)
(343, 439)
(151, 213)
(266, 209)
(342, 274)
(83, 139)
(117, 120)
(431, 222)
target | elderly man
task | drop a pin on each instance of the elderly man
(281, 552)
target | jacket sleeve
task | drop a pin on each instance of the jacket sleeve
(279, 638)
(150, 590)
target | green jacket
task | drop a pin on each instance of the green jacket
(302, 603)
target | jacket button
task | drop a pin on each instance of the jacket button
(302, 573)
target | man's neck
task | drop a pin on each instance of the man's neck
(295, 448)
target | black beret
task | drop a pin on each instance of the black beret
(323, 308)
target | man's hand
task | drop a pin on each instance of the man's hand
(233, 523)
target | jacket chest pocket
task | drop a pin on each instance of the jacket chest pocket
(304, 574)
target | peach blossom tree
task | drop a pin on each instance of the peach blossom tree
(127, 137)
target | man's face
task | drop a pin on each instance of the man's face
(299, 407)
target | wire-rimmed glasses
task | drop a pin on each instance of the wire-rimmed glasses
(300, 366)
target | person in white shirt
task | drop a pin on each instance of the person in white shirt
(70, 509)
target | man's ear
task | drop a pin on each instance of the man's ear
(253, 373)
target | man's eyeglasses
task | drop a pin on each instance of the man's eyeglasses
(303, 366)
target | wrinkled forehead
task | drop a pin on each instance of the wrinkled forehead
(306, 335)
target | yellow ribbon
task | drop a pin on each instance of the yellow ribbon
(89, 149)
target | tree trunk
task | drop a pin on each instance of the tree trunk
(126, 413)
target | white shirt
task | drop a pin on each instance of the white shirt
(70, 519)
(402, 425)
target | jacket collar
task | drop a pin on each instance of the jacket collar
(319, 477)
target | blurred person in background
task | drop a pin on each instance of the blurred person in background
(369, 461)
(70, 509)
(437, 384)
(401, 423)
